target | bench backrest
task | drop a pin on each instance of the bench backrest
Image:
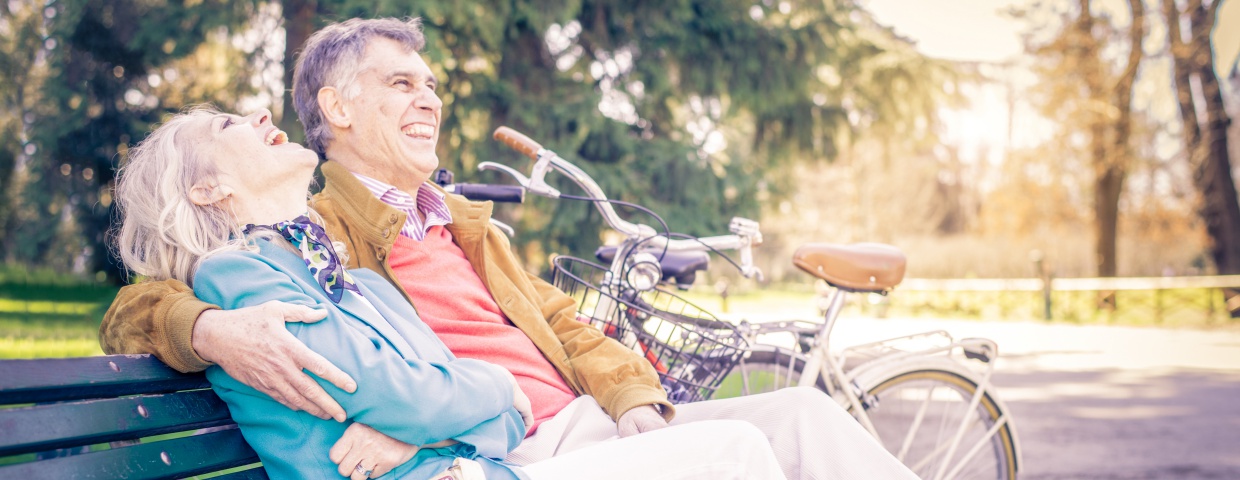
(116, 416)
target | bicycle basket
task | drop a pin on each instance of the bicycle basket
(691, 349)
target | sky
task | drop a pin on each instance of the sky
(977, 30)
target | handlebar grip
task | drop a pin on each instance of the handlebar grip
(494, 193)
(518, 141)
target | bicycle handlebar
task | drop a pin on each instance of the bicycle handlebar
(494, 193)
(745, 232)
(519, 142)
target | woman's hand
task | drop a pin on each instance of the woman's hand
(364, 447)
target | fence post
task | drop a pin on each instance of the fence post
(1039, 265)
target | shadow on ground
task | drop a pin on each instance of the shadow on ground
(1126, 424)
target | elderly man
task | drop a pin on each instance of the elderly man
(367, 100)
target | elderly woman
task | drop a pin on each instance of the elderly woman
(219, 201)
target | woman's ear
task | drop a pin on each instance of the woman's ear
(332, 105)
(203, 195)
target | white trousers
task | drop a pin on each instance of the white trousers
(807, 433)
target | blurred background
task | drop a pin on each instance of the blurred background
(1059, 172)
(1065, 160)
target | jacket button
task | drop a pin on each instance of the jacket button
(380, 254)
(387, 232)
(392, 219)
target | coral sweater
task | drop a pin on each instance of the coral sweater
(454, 302)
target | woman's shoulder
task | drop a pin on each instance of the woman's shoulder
(264, 256)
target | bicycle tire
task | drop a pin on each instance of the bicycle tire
(885, 402)
(764, 371)
(996, 459)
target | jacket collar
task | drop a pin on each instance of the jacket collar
(369, 214)
(365, 212)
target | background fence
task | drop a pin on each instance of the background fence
(1172, 301)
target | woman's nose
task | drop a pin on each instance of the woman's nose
(260, 117)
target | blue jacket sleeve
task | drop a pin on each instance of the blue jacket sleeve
(412, 400)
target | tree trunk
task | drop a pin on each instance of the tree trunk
(1113, 168)
(1205, 135)
(298, 25)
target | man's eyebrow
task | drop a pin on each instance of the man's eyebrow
(405, 73)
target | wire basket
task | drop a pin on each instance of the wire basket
(691, 349)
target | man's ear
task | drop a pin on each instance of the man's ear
(332, 105)
(203, 195)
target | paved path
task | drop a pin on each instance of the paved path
(1098, 402)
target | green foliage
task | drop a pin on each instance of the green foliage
(90, 88)
(693, 108)
(704, 104)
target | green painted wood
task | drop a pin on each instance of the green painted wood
(116, 398)
(177, 458)
(59, 379)
(85, 422)
(251, 474)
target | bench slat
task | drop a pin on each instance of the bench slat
(31, 381)
(251, 474)
(177, 458)
(60, 425)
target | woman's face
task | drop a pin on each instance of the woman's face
(253, 158)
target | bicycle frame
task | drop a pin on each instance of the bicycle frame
(848, 387)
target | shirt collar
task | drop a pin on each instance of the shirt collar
(429, 201)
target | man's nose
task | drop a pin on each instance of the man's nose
(429, 100)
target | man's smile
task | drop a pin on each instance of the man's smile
(419, 130)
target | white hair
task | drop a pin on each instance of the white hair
(163, 234)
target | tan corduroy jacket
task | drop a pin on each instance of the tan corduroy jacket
(158, 317)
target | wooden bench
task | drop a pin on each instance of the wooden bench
(117, 416)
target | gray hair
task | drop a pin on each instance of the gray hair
(163, 234)
(331, 58)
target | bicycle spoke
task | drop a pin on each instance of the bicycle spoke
(912, 431)
(977, 447)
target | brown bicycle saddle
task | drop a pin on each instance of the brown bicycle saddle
(862, 267)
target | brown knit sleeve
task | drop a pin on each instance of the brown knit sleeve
(156, 318)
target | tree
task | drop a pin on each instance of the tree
(693, 108)
(1090, 93)
(1204, 122)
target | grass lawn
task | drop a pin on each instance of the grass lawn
(51, 317)
(59, 316)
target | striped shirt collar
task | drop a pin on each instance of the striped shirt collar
(429, 201)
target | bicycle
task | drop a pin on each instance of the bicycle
(926, 397)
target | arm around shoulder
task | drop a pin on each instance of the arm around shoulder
(156, 318)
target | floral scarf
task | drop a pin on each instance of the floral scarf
(317, 251)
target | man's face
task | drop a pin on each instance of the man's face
(394, 115)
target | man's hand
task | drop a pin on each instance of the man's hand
(521, 403)
(641, 419)
(374, 451)
(252, 345)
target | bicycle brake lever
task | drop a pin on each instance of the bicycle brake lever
(537, 184)
(520, 177)
(504, 228)
(752, 271)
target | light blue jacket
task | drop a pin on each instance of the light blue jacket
(410, 387)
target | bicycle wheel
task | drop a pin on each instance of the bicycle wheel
(918, 412)
(764, 371)
(922, 408)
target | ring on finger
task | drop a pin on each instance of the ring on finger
(363, 470)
